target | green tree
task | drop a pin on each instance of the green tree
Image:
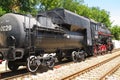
(20, 6)
(71, 5)
(49, 4)
(100, 16)
(2, 11)
(27, 6)
(115, 32)
(84, 10)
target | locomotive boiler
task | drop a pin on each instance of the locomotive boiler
(24, 40)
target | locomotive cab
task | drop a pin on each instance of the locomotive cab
(94, 29)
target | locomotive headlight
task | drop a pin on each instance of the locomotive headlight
(67, 36)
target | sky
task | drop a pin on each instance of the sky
(112, 6)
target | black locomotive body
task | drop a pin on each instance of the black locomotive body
(24, 39)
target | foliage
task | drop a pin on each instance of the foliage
(116, 32)
(49, 4)
(72, 5)
(2, 11)
(100, 16)
(19, 6)
(67, 4)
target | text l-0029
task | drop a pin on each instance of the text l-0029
(6, 28)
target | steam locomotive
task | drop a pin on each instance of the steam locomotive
(25, 40)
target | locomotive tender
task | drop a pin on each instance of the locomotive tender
(24, 40)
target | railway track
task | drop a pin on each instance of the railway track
(111, 72)
(20, 73)
(97, 71)
(9, 75)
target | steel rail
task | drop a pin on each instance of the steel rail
(72, 76)
(110, 72)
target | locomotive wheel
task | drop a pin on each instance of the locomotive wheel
(75, 56)
(83, 57)
(32, 65)
(110, 48)
(13, 66)
(51, 62)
